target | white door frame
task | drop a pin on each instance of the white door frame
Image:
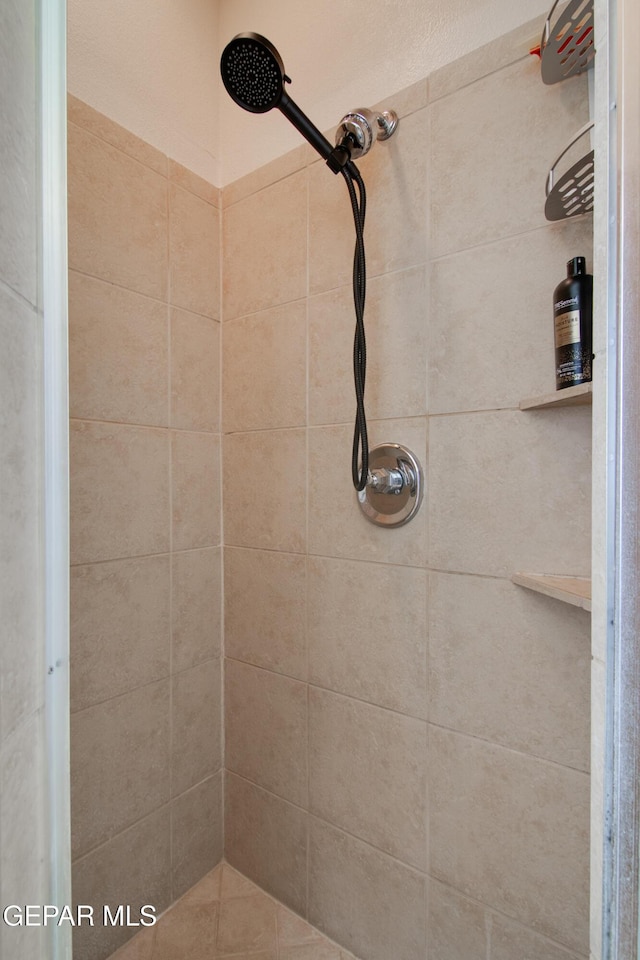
(52, 79)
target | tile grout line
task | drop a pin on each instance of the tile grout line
(118, 285)
(12, 294)
(170, 520)
(142, 686)
(165, 805)
(159, 427)
(493, 912)
(86, 128)
(334, 826)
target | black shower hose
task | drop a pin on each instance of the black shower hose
(360, 453)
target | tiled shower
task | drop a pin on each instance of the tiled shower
(397, 745)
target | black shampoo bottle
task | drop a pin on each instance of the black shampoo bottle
(572, 305)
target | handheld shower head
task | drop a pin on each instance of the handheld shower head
(253, 72)
(253, 75)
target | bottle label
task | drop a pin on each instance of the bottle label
(568, 328)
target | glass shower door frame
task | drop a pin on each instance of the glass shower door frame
(621, 886)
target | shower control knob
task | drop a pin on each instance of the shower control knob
(386, 481)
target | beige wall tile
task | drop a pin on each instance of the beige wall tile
(122, 497)
(140, 947)
(496, 347)
(331, 231)
(510, 666)
(132, 868)
(266, 839)
(396, 178)
(380, 657)
(120, 764)
(118, 353)
(406, 101)
(196, 834)
(489, 157)
(265, 369)
(598, 793)
(196, 731)
(120, 628)
(269, 173)
(195, 479)
(265, 609)
(368, 773)
(509, 939)
(363, 899)
(396, 332)
(129, 203)
(82, 115)
(264, 490)
(485, 60)
(266, 730)
(525, 849)
(24, 878)
(510, 491)
(22, 649)
(457, 927)
(195, 372)
(119, 491)
(190, 181)
(196, 607)
(337, 527)
(194, 253)
(395, 231)
(24, 840)
(20, 149)
(265, 248)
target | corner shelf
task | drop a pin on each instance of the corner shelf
(573, 590)
(578, 396)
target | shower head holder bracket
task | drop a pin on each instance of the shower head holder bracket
(360, 129)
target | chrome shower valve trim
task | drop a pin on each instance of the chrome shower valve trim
(395, 483)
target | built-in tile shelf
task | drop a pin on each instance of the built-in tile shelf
(573, 590)
(578, 396)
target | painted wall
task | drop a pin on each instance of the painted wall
(23, 839)
(350, 54)
(146, 754)
(153, 66)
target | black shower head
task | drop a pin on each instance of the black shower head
(253, 74)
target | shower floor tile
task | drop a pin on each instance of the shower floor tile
(227, 917)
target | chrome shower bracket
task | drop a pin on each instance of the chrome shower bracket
(395, 486)
(359, 130)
